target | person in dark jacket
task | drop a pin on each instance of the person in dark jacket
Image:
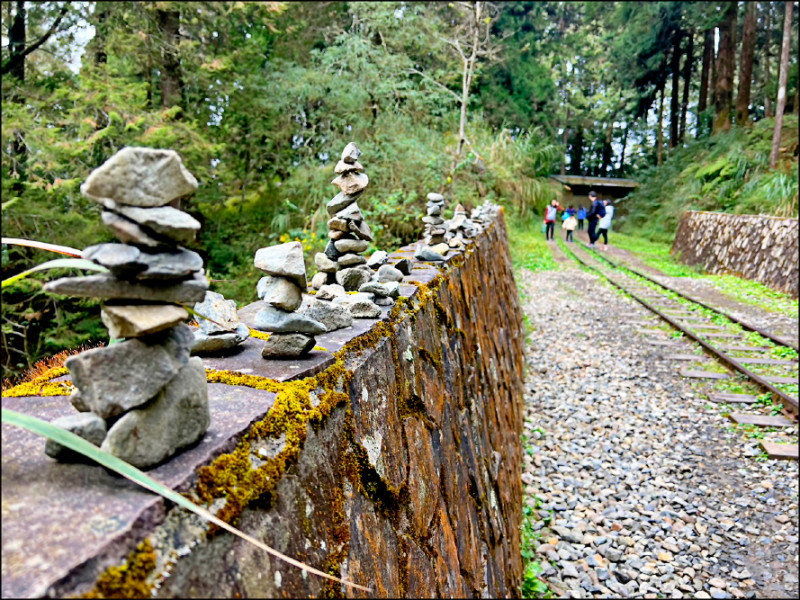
(581, 215)
(596, 212)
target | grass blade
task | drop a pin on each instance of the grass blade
(58, 263)
(78, 444)
(42, 246)
(194, 313)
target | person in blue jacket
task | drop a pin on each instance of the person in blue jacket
(596, 212)
(581, 216)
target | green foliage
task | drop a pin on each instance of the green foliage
(528, 247)
(532, 586)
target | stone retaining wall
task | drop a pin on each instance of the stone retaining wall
(751, 246)
(393, 462)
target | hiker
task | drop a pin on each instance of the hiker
(596, 212)
(569, 226)
(550, 216)
(581, 216)
(604, 224)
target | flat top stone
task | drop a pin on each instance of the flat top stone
(140, 177)
(283, 260)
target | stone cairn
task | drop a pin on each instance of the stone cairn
(282, 293)
(141, 398)
(223, 331)
(460, 229)
(434, 246)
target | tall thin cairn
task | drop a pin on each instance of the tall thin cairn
(434, 247)
(141, 398)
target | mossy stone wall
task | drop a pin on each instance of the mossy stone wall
(757, 247)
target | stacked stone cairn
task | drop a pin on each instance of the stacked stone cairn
(141, 398)
(460, 229)
(223, 331)
(434, 247)
(282, 293)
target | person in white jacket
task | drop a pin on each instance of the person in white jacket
(605, 223)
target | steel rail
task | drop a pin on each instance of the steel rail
(744, 324)
(790, 404)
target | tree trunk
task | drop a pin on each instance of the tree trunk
(784, 72)
(100, 33)
(621, 169)
(16, 41)
(674, 112)
(171, 84)
(746, 65)
(607, 149)
(723, 88)
(660, 135)
(577, 152)
(767, 46)
(708, 58)
(687, 79)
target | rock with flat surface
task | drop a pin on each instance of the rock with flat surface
(140, 177)
(350, 245)
(280, 321)
(120, 259)
(283, 260)
(374, 287)
(350, 153)
(287, 345)
(337, 224)
(404, 265)
(351, 213)
(164, 220)
(324, 264)
(344, 167)
(389, 273)
(339, 202)
(122, 376)
(219, 342)
(177, 417)
(441, 248)
(426, 254)
(360, 305)
(352, 182)
(319, 280)
(351, 260)
(434, 197)
(280, 292)
(86, 425)
(216, 307)
(331, 251)
(330, 291)
(130, 232)
(331, 315)
(106, 285)
(360, 230)
(136, 320)
(353, 278)
(177, 264)
(378, 258)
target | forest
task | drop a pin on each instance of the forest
(476, 100)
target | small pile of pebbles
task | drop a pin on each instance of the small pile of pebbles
(141, 398)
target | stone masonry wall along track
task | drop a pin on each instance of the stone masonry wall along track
(790, 405)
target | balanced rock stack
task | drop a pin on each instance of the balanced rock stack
(349, 234)
(282, 292)
(223, 331)
(460, 229)
(141, 398)
(434, 247)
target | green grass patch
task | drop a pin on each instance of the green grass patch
(529, 249)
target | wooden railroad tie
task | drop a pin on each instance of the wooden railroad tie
(732, 398)
(685, 357)
(780, 451)
(703, 374)
(760, 420)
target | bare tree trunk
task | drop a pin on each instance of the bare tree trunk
(660, 135)
(607, 148)
(16, 46)
(687, 79)
(784, 73)
(674, 113)
(621, 169)
(171, 84)
(723, 90)
(577, 152)
(746, 65)
(767, 46)
(708, 57)
(100, 33)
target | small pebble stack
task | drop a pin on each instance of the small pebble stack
(459, 229)
(349, 234)
(141, 398)
(282, 292)
(434, 247)
(225, 332)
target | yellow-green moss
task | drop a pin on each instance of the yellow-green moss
(259, 335)
(435, 359)
(42, 386)
(129, 580)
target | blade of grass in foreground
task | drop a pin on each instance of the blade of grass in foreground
(58, 263)
(42, 246)
(78, 444)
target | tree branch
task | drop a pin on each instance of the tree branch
(15, 60)
(432, 80)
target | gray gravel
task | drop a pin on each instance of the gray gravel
(640, 489)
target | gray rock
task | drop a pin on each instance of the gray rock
(117, 378)
(164, 220)
(344, 167)
(361, 230)
(348, 245)
(319, 280)
(350, 213)
(383, 301)
(337, 224)
(374, 287)
(440, 248)
(351, 260)
(434, 210)
(331, 251)
(280, 292)
(136, 320)
(338, 202)
(434, 197)
(426, 254)
(389, 273)
(352, 182)
(216, 307)
(128, 262)
(77, 402)
(378, 258)
(219, 342)
(393, 287)
(86, 425)
(333, 316)
(140, 177)
(350, 153)
(108, 286)
(325, 264)
(128, 231)
(177, 417)
(330, 291)
(287, 345)
(283, 260)
(433, 220)
(360, 305)
(353, 278)
(404, 265)
(280, 321)
(120, 259)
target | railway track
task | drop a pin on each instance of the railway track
(738, 345)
